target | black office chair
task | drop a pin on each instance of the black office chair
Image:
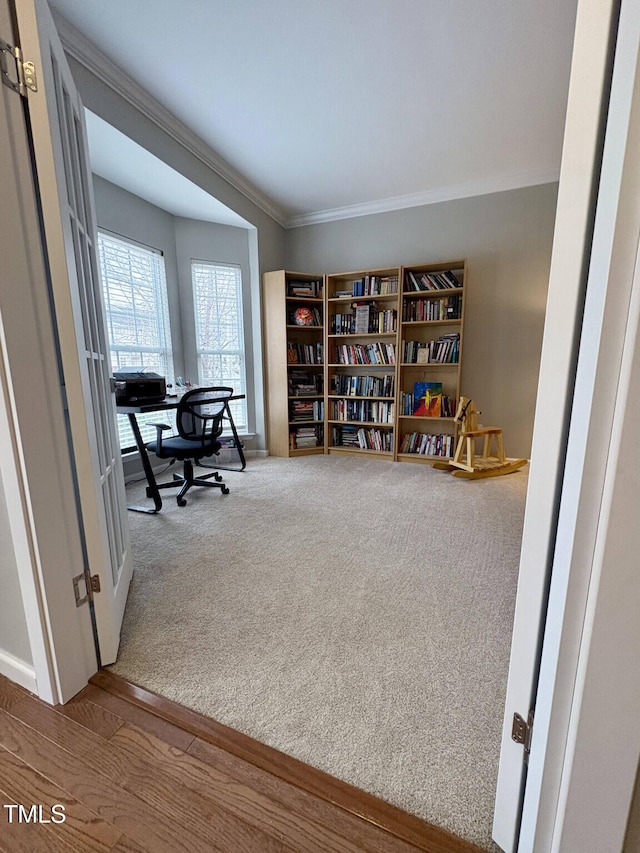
(199, 422)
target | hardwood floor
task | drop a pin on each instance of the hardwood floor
(137, 773)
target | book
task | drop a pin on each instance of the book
(427, 399)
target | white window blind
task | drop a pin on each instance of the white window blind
(217, 297)
(137, 316)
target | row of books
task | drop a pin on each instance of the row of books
(362, 438)
(367, 411)
(304, 353)
(370, 285)
(302, 437)
(444, 280)
(422, 310)
(363, 386)
(306, 410)
(427, 444)
(302, 383)
(445, 350)
(372, 322)
(428, 401)
(374, 353)
(311, 289)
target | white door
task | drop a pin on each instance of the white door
(64, 182)
(573, 427)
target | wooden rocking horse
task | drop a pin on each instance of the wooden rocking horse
(466, 462)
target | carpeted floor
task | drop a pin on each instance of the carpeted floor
(353, 613)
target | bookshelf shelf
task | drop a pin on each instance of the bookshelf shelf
(362, 321)
(432, 311)
(355, 397)
(346, 369)
(426, 418)
(430, 322)
(364, 335)
(378, 424)
(294, 358)
(392, 297)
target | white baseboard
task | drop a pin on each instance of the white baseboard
(17, 670)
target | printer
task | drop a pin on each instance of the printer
(135, 387)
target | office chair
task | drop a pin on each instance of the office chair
(199, 422)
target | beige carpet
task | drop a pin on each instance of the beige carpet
(353, 613)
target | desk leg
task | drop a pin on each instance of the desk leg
(243, 461)
(148, 470)
(238, 443)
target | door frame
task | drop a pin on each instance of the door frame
(36, 470)
(587, 103)
(582, 773)
(53, 614)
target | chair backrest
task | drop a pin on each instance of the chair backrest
(200, 412)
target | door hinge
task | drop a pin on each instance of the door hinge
(521, 732)
(24, 72)
(92, 586)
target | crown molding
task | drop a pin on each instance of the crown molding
(87, 54)
(436, 196)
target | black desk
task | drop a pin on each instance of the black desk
(170, 403)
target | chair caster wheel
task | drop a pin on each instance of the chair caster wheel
(217, 478)
(225, 490)
(181, 501)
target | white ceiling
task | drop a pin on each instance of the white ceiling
(122, 161)
(331, 106)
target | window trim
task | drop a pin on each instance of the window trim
(242, 423)
(164, 326)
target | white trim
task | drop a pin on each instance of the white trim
(21, 524)
(581, 157)
(483, 186)
(17, 670)
(585, 751)
(88, 55)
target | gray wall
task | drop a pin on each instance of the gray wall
(266, 243)
(506, 238)
(129, 216)
(206, 241)
(14, 638)
(182, 240)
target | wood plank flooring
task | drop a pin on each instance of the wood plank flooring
(137, 773)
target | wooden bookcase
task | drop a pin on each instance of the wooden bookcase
(429, 360)
(379, 339)
(361, 345)
(293, 334)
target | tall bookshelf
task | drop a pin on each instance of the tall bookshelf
(294, 311)
(386, 349)
(361, 345)
(430, 360)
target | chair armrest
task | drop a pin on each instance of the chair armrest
(160, 428)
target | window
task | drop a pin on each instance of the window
(137, 317)
(217, 299)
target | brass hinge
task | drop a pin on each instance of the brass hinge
(521, 732)
(92, 586)
(25, 72)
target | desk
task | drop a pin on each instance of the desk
(162, 406)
